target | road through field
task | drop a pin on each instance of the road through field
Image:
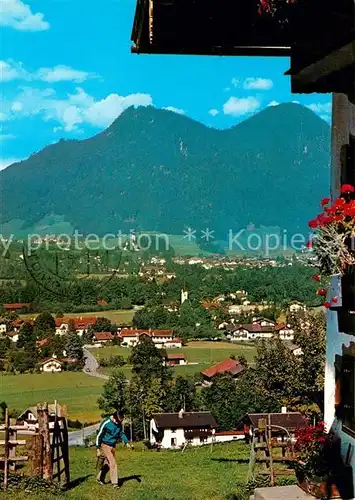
(92, 365)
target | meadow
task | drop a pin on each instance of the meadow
(76, 390)
(204, 353)
(198, 473)
(118, 316)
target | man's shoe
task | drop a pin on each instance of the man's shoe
(100, 482)
(118, 484)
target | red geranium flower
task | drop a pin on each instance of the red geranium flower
(325, 201)
(309, 244)
(326, 305)
(335, 300)
(316, 277)
(322, 291)
(347, 188)
(313, 224)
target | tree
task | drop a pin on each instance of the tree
(102, 325)
(221, 400)
(114, 393)
(44, 325)
(148, 362)
(71, 326)
(26, 335)
(181, 393)
(74, 347)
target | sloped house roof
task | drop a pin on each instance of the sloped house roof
(231, 366)
(319, 36)
(207, 28)
(189, 420)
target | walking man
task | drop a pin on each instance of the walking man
(110, 432)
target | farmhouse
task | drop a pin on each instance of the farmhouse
(174, 430)
(175, 343)
(81, 324)
(13, 336)
(2, 328)
(103, 337)
(17, 306)
(175, 359)
(51, 365)
(231, 366)
(291, 421)
(259, 330)
(295, 306)
(132, 337)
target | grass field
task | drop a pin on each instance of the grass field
(168, 475)
(117, 316)
(76, 390)
(203, 353)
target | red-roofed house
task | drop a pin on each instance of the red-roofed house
(17, 306)
(103, 337)
(231, 366)
(81, 323)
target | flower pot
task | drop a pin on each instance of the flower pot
(320, 490)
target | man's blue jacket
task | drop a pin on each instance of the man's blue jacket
(109, 433)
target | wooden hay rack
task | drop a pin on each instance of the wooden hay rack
(47, 447)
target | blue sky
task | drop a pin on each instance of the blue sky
(67, 71)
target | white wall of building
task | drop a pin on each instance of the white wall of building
(335, 342)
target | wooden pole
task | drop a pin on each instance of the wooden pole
(269, 438)
(37, 455)
(12, 448)
(43, 428)
(6, 465)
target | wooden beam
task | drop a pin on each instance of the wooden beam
(333, 62)
(12, 442)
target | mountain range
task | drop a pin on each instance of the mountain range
(156, 170)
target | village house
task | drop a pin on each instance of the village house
(29, 417)
(131, 337)
(17, 306)
(13, 335)
(231, 366)
(103, 337)
(52, 365)
(175, 360)
(260, 330)
(81, 324)
(295, 307)
(175, 343)
(289, 421)
(295, 349)
(174, 430)
(3, 328)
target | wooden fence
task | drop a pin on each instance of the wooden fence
(48, 451)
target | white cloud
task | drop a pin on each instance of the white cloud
(18, 15)
(213, 112)
(321, 108)
(179, 111)
(235, 82)
(236, 106)
(17, 106)
(62, 73)
(5, 162)
(77, 108)
(12, 70)
(273, 103)
(258, 84)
